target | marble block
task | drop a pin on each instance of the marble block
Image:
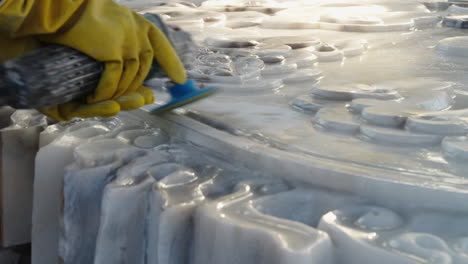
(18, 150)
(50, 164)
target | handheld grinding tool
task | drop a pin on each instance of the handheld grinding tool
(57, 74)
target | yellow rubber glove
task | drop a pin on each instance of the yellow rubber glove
(104, 30)
(132, 100)
(11, 48)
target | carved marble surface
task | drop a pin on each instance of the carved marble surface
(381, 78)
(121, 201)
(339, 137)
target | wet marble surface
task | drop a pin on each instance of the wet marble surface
(336, 54)
(177, 203)
(339, 137)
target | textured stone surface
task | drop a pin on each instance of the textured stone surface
(371, 166)
(19, 143)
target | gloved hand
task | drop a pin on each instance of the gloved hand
(104, 30)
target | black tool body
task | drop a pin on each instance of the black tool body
(48, 76)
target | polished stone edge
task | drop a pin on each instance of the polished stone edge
(371, 182)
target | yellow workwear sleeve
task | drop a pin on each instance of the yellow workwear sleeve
(126, 42)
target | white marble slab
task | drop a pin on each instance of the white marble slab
(19, 144)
